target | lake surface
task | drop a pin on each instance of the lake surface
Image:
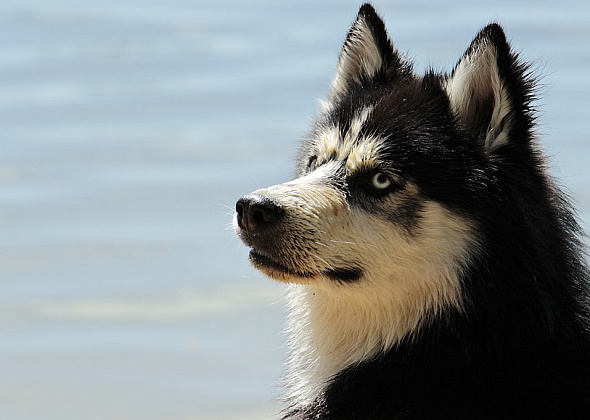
(128, 129)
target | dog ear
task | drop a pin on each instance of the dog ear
(367, 55)
(489, 91)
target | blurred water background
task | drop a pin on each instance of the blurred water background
(128, 129)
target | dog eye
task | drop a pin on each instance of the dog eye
(380, 181)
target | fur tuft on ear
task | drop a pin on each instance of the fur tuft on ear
(367, 54)
(488, 89)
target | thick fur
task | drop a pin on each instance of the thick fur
(435, 270)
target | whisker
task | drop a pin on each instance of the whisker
(321, 244)
(369, 244)
(344, 242)
(328, 265)
(225, 213)
(225, 205)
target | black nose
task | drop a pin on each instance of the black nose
(256, 213)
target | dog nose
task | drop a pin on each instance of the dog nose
(256, 212)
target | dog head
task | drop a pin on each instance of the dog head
(393, 172)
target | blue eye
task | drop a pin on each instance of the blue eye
(380, 181)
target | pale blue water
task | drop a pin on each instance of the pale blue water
(128, 129)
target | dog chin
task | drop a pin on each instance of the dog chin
(277, 271)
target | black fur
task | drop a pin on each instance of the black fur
(520, 349)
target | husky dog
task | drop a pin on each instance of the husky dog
(435, 270)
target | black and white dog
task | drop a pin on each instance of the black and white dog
(435, 270)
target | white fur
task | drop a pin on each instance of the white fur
(312, 217)
(477, 76)
(406, 277)
(359, 57)
(353, 150)
(333, 326)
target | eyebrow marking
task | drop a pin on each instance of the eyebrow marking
(356, 151)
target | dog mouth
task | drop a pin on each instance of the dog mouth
(279, 271)
(274, 268)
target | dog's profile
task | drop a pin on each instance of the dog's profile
(435, 269)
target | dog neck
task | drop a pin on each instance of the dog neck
(335, 327)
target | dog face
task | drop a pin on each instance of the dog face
(390, 175)
(354, 213)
